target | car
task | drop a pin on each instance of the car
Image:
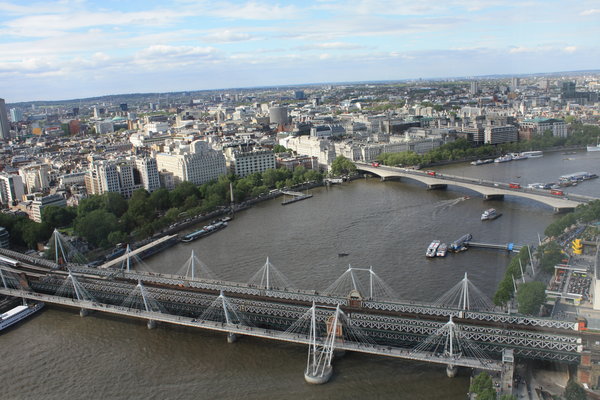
(557, 192)
(432, 173)
(375, 164)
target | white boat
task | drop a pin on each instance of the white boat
(18, 313)
(594, 148)
(490, 214)
(442, 250)
(518, 156)
(502, 159)
(432, 249)
(533, 154)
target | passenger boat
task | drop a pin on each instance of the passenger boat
(518, 156)
(19, 313)
(205, 231)
(490, 214)
(481, 162)
(502, 159)
(533, 154)
(460, 244)
(442, 250)
(432, 249)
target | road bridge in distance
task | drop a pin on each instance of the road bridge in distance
(488, 189)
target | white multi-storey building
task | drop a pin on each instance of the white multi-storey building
(11, 188)
(148, 170)
(244, 163)
(198, 163)
(35, 177)
(40, 202)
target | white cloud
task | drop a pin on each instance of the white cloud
(253, 10)
(227, 36)
(590, 12)
(570, 49)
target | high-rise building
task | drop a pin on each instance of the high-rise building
(474, 87)
(11, 188)
(40, 202)
(568, 89)
(514, 83)
(123, 106)
(4, 125)
(16, 115)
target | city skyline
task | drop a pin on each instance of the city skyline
(75, 49)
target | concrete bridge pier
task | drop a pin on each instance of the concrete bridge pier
(319, 379)
(84, 312)
(494, 196)
(151, 324)
(451, 370)
(231, 337)
(437, 186)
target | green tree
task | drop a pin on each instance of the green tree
(279, 149)
(531, 296)
(549, 255)
(114, 203)
(57, 217)
(342, 166)
(183, 191)
(482, 385)
(508, 397)
(574, 391)
(160, 199)
(95, 226)
(141, 208)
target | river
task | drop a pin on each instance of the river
(386, 225)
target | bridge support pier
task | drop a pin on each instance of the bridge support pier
(437, 186)
(494, 197)
(451, 370)
(319, 378)
(151, 324)
(84, 312)
(231, 337)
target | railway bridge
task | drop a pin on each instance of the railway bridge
(489, 189)
(461, 329)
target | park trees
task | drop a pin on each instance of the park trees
(531, 296)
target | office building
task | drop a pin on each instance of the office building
(11, 188)
(36, 178)
(4, 125)
(16, 115)
(197, 163)
(244, 163)
(148, 170)
(4, 238)
(40, 202)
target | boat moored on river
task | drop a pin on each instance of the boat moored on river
(490, 214)
(19, 313)
(432, 249)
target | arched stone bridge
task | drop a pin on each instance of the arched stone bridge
(489, 189)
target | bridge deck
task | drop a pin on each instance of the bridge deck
(486, 188)
(388, 351)
(132, 253)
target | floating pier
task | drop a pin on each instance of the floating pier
(507, 246)
(296, 196)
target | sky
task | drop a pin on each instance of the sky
(64, 49)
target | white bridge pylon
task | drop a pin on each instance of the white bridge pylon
(465, 296)
(64, 252)
(140, 298)
(324, 326)
(9, 279)
(377, 289)
(195, 269)
(448, 343)
(270, 278)
(72, 288)
(224, 311)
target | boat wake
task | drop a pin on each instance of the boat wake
(444, 205)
